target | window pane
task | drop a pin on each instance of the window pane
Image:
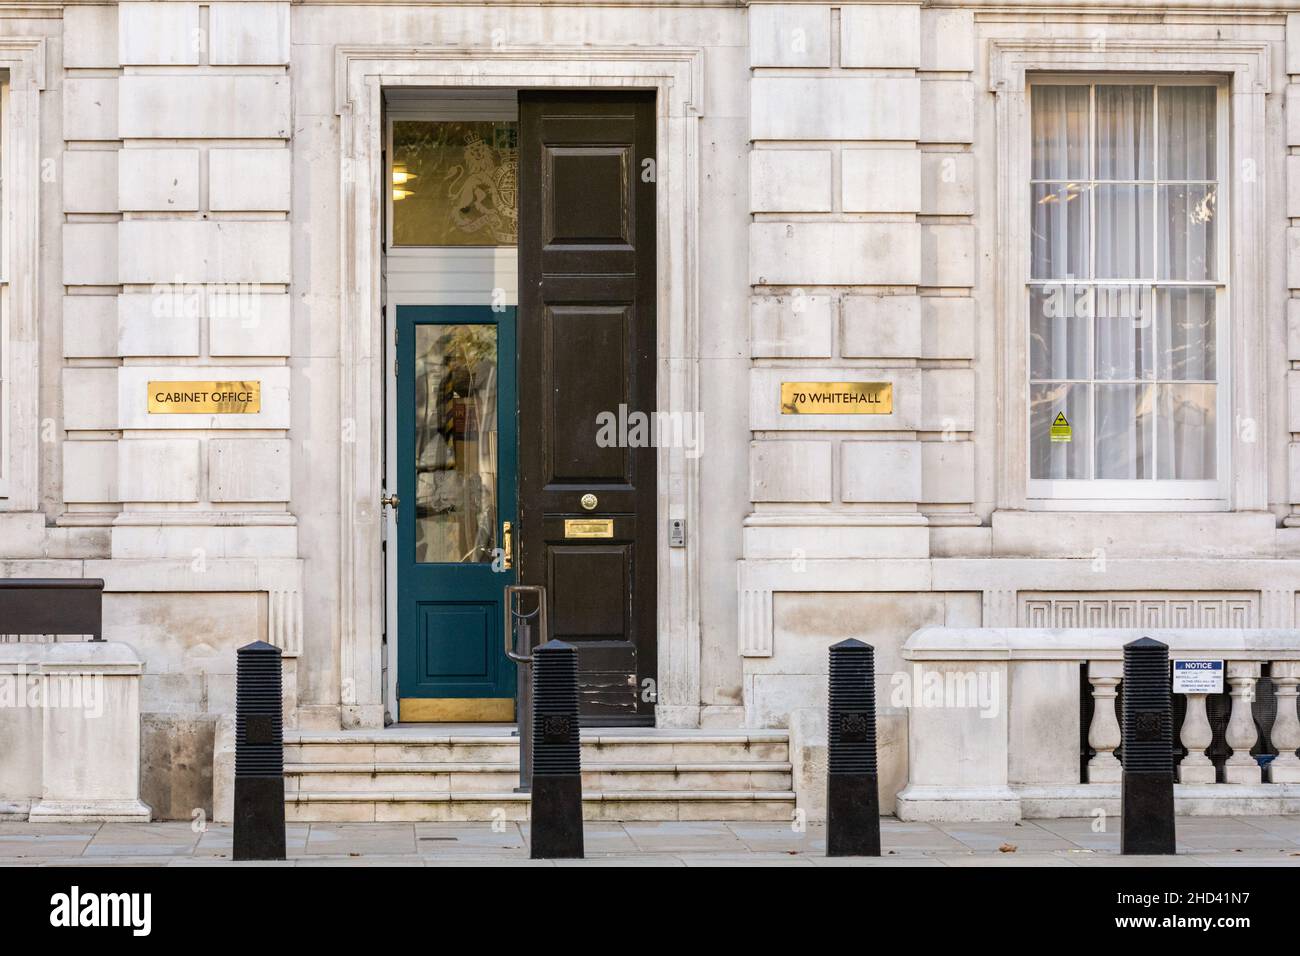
(1058, 332)
(1187, 334)
(1060, 132)
(1187, 233)
(1059, 232)
(1062, 458)
(455, 443)
(1124, 431)
(1125, 141)
(1187, 132)
(454, 183)
(1124, 344)
(1125, 244)
(1186, 431)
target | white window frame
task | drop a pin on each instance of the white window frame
(1243, 371)
(1214, 490)
(22, 66)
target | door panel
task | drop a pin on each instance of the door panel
(586, 350)
(456, 467)
(582, 389)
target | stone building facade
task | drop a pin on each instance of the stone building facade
(846, 193)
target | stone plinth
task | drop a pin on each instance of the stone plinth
(90, 734)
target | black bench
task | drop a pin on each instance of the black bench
(52, 606)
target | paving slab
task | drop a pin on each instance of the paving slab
(460, 839)
(994, 836)
(1002, 859)
(1288, 827)
(761, 836)
(873, 861)
(345, 839)
(1203, 841)
(683, 837)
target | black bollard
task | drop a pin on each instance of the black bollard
(1147, 791)
(556, 829)
(852, 785)
(259, 754)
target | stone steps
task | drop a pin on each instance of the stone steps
(418, 775)
(497, 777)
(438, 806)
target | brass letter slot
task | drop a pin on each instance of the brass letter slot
(589, 527)
(837, 398)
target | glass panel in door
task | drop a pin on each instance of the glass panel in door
(456, 443)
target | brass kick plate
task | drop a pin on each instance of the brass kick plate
(589, 527)
(456, 710)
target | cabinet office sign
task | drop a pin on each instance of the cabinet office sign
(837, 398)
(1198, 677)
(205, 398)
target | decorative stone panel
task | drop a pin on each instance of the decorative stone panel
(1136, 609)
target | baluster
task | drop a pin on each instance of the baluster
(1285, 768)
(1241, 732)
(1104, 735)
(1196, 736)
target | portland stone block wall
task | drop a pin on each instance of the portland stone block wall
(862, 260)
(849, 226)
(174, 262)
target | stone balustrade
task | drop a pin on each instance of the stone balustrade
(994, 723)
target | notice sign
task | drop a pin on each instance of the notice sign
(205, 398)
(837, 398)
(1198, 677)
(1061, 430)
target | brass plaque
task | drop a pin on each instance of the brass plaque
(837, 398)
(205, 398)
(589, 527)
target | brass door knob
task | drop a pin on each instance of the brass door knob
(389, 501)
(589, 502)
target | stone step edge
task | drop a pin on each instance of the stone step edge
(590, 796)
(309, 738)
(756, 766)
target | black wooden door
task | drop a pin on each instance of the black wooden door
(587, 362)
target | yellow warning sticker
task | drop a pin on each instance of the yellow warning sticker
(1061, 428)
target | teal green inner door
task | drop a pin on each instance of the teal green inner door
(456, 474)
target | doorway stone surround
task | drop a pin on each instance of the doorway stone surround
(362, 72)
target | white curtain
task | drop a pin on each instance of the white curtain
(1187, 132)
(1187, 434)
(1186, 329)
(1060, 133)
(1124, 431)
(1143, 209)
(1125, 140)
(1187, 152)
(1060, 208)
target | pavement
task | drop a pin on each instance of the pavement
(1202, 841)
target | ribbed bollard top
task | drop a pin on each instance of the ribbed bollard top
(852, 712)
(259, 711)
(556, 744)
(1148, 722)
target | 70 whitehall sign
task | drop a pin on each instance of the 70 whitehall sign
(837, 398)
(205, 398)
